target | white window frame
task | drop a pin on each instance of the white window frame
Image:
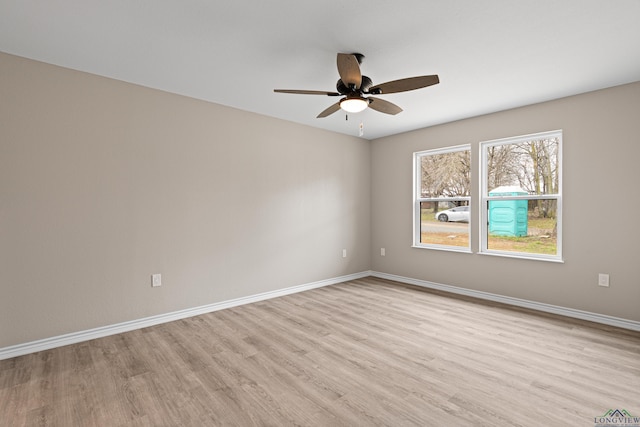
(485, 198)
(417, 199)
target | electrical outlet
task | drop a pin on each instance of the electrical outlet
(156, 280)
(344, 253)
(383, 252)
(603, 280)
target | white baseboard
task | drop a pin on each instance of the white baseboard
(547, 308)
(76, 337)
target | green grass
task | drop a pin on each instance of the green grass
(526, 244)
(540, 241)
(447, 239)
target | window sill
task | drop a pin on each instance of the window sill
(444, 248)
(531, 257)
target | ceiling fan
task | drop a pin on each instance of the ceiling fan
(352, 85)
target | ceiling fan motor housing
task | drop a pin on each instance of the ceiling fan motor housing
(364, 86)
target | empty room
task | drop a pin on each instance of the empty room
(337, 213)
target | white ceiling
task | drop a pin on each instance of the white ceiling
(490, 55)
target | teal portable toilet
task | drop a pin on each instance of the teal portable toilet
(508, 217)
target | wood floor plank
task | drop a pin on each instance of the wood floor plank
(366, 352)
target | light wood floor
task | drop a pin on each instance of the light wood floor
(363, 353)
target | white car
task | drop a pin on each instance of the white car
(460, 213)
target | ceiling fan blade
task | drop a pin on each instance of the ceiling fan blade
(332, 109)
(384, 106)
(404, 85)
(349, 70)
(306, 92)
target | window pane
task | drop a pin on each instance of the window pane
(525, 226)
(444, 223)
(532, 166)
(445, 174)
(443, 190)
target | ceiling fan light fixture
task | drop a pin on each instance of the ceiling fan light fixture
(354, 105)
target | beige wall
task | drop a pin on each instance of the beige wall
(103, 183)
(601, 205)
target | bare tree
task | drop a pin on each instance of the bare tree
(446, 175)
(531, 165)
(502, 166)
(542, 171)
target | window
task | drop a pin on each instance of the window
(442, 191)
(521, 207)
